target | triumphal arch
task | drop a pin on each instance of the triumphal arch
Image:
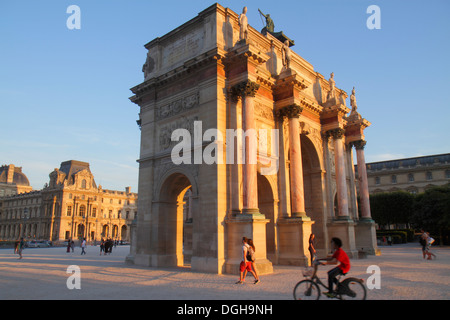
(241, 137)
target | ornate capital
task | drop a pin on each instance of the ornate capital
(292, 111)
(359, 145)
(244, 89)
(336, 133)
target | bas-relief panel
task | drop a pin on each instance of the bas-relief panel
(176, 114)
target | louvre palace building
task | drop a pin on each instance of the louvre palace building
(70, 206)
(413, 175)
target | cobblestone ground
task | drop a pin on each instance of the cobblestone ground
(43, 273)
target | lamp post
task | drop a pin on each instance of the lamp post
(73, 215)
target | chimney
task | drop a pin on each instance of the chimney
(10, 174)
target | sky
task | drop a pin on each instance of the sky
(64, 93)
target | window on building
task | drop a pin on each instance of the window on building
(410, 177)
(393, 178)
(94, 212)
(83, 184)
(82, 212)
(377, 180)
(447, 174)
(429, 175)
(69, 211)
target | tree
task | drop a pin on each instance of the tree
(392, 208)
(432, 211)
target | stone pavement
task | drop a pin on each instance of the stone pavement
(42, 274)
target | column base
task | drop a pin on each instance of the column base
(251, 224)
(366, 237)
(300, 215)
(344, 229)
(294, 235)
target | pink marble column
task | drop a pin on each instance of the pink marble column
(247, 91)
(296, 166)
(362, 177)
(341, 183)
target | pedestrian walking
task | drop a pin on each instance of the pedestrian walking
(102, 246)
(430, 241)
(20, 247)
(312, 247)
(68, 246)
(83, 246)
(16, 247)
(252, 259)
(245, 265)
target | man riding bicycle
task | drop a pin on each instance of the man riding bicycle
(339, 255)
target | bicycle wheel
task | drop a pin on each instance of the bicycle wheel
(306, 290)
(355, 289)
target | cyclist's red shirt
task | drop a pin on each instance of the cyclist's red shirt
(342, 257)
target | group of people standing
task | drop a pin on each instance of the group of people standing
(105, 246)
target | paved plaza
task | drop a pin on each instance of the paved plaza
(42, 274)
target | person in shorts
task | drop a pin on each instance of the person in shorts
(245, 264)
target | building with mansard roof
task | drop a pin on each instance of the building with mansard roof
(70, 206)
(413, 175)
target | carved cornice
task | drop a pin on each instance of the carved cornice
(292, 80)
(206, 58)
(246, 52)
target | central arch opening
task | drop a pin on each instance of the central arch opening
(175, 221)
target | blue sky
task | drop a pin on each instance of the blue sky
(64, 93)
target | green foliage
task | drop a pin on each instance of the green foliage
(391, 208)
(429, 211)
(432, 210)
(397, 236)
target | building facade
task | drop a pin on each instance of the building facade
(413, 175)
(70, 206)
(264, 145)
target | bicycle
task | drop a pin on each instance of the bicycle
(309, 289)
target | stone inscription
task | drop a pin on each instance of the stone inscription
(183, 48)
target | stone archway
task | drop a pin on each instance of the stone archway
(313, 182)
(266, 205)
(170, 219)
